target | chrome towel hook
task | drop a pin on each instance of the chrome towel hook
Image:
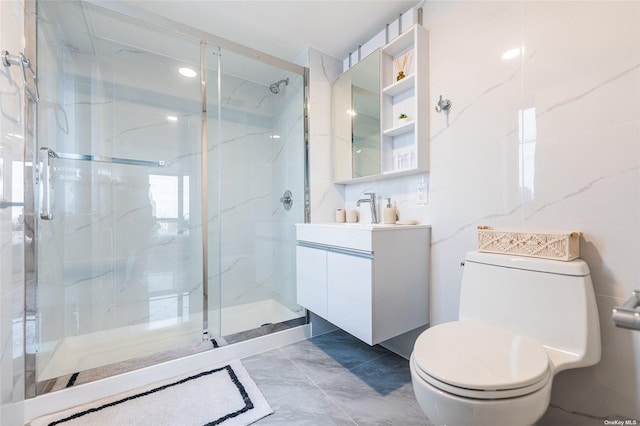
(443, 105)
(23, 63)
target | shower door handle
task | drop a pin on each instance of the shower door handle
(45, 184)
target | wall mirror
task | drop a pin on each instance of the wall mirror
(356, 121)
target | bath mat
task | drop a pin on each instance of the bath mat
(109, 370)
(224, 396)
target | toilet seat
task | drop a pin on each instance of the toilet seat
(476, 360)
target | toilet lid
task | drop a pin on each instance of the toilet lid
(476, 356)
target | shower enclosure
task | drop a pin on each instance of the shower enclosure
(168, 173)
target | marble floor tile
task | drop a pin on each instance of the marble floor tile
(335, 379)
(384, 393)
(308, 407)
(556, 416)
(276, 375)
(331, 354)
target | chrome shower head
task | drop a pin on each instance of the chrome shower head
(275, 87)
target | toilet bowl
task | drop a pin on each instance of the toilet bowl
(522, 320)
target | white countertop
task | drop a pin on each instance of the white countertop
(363, 226)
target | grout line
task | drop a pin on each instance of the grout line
(590, 416)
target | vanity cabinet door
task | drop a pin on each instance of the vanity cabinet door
(349, 292)
(311, 275)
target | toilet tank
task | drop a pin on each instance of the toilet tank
(550, 300)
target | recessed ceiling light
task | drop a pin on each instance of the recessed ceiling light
(187, 72)
(275, 136)
(510, 54)
(351, 112)
(172, 118)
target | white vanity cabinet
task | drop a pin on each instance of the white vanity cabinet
(369, 280)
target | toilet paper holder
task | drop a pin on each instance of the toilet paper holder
(628, 315)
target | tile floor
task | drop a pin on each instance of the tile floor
(335, 379)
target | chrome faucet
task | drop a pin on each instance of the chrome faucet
(372, 203)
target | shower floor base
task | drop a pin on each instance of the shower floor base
(92, 350)
(89, 351)
(249, 316)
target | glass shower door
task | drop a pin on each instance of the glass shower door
(256, 193)
(119, 219)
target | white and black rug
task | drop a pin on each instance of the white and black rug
(221, 396)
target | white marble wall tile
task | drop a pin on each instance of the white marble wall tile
(288, 164)
(325, 196)
(403, 194)
(586, 170)
(611, 387)
(256, 170)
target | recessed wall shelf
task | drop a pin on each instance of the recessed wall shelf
(398, 87)
(405, 146)
(400, 129)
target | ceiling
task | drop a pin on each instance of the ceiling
(285, 28)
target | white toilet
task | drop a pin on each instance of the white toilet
(521, 321)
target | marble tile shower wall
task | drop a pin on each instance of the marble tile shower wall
(548, 139)
(287, 154)
(245, 185)
(11, 234)
(256, 169)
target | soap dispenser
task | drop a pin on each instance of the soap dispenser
(389, 215)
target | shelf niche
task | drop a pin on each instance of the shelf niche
(405, 144)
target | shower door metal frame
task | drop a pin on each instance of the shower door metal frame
(31, 250)
(30, 154)
(205, 189)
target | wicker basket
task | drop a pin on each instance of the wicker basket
(549, 245)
